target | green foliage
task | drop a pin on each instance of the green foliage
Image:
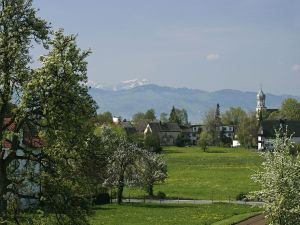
(149, 114)
(290, 109)
(161, 195)
(52, 102)
(179, 116)
(137, 138)
(241, 196)
(280, 182)
(152, 143)
(211, 124)
(173, 116)
(104, 118)
(247, 131)
(204, 141)
(163, 117)
(153, 170)
(180, 141)
(233, 116)
(137, 117)
(129, 165)
(167, 214)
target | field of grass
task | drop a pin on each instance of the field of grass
(156, 214)
(219, 173)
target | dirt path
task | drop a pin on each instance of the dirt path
(256, 220)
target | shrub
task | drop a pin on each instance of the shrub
(161, 195)
(241, 196)
(102, 198)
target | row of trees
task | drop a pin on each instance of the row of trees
(49, 107)
(176, 115)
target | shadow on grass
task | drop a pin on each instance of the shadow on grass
(99, 207)
(159, 206)
(171, 152)
(215, 151)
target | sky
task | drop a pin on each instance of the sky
(201, 44)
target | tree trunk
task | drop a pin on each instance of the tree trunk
(120, 193)
(3, 202)
(120, 189)
(150, 190)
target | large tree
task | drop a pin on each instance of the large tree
(153, 170)
(233, 116)
(129, 165)
(51, 102)
(247, 130)
(290, 109)
(280, 182)
(211, 126)
(149, 115)
(179, 116)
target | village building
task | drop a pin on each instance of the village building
(169, 133)
(267, 132)
(29, 140)
(267, 128)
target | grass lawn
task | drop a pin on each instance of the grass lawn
(154, 214)
(219, 173)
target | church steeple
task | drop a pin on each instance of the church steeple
(260, 103)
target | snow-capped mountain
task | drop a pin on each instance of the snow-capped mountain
(124, 85)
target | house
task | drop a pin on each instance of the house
(167, 132)
(191, 134)
(142, 124)
(227, 130)
(27, 139)
(267, 131)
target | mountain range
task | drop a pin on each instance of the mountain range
(127, 101)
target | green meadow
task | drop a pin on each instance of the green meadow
(156, 214)
(219, 173)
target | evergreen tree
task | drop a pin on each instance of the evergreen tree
(173, 116)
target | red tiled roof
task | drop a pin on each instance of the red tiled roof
(30, 137)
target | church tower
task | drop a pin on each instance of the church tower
(260, 104)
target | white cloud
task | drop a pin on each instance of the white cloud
(212, 56)
(295, 67)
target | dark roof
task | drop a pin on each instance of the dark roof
(268, 127)
(128, 127)
(157, 127)
(170, 127)
(272, 110)
(142, 124)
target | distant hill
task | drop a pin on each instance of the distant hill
(126, 102)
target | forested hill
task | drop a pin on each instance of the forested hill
(127, 102)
